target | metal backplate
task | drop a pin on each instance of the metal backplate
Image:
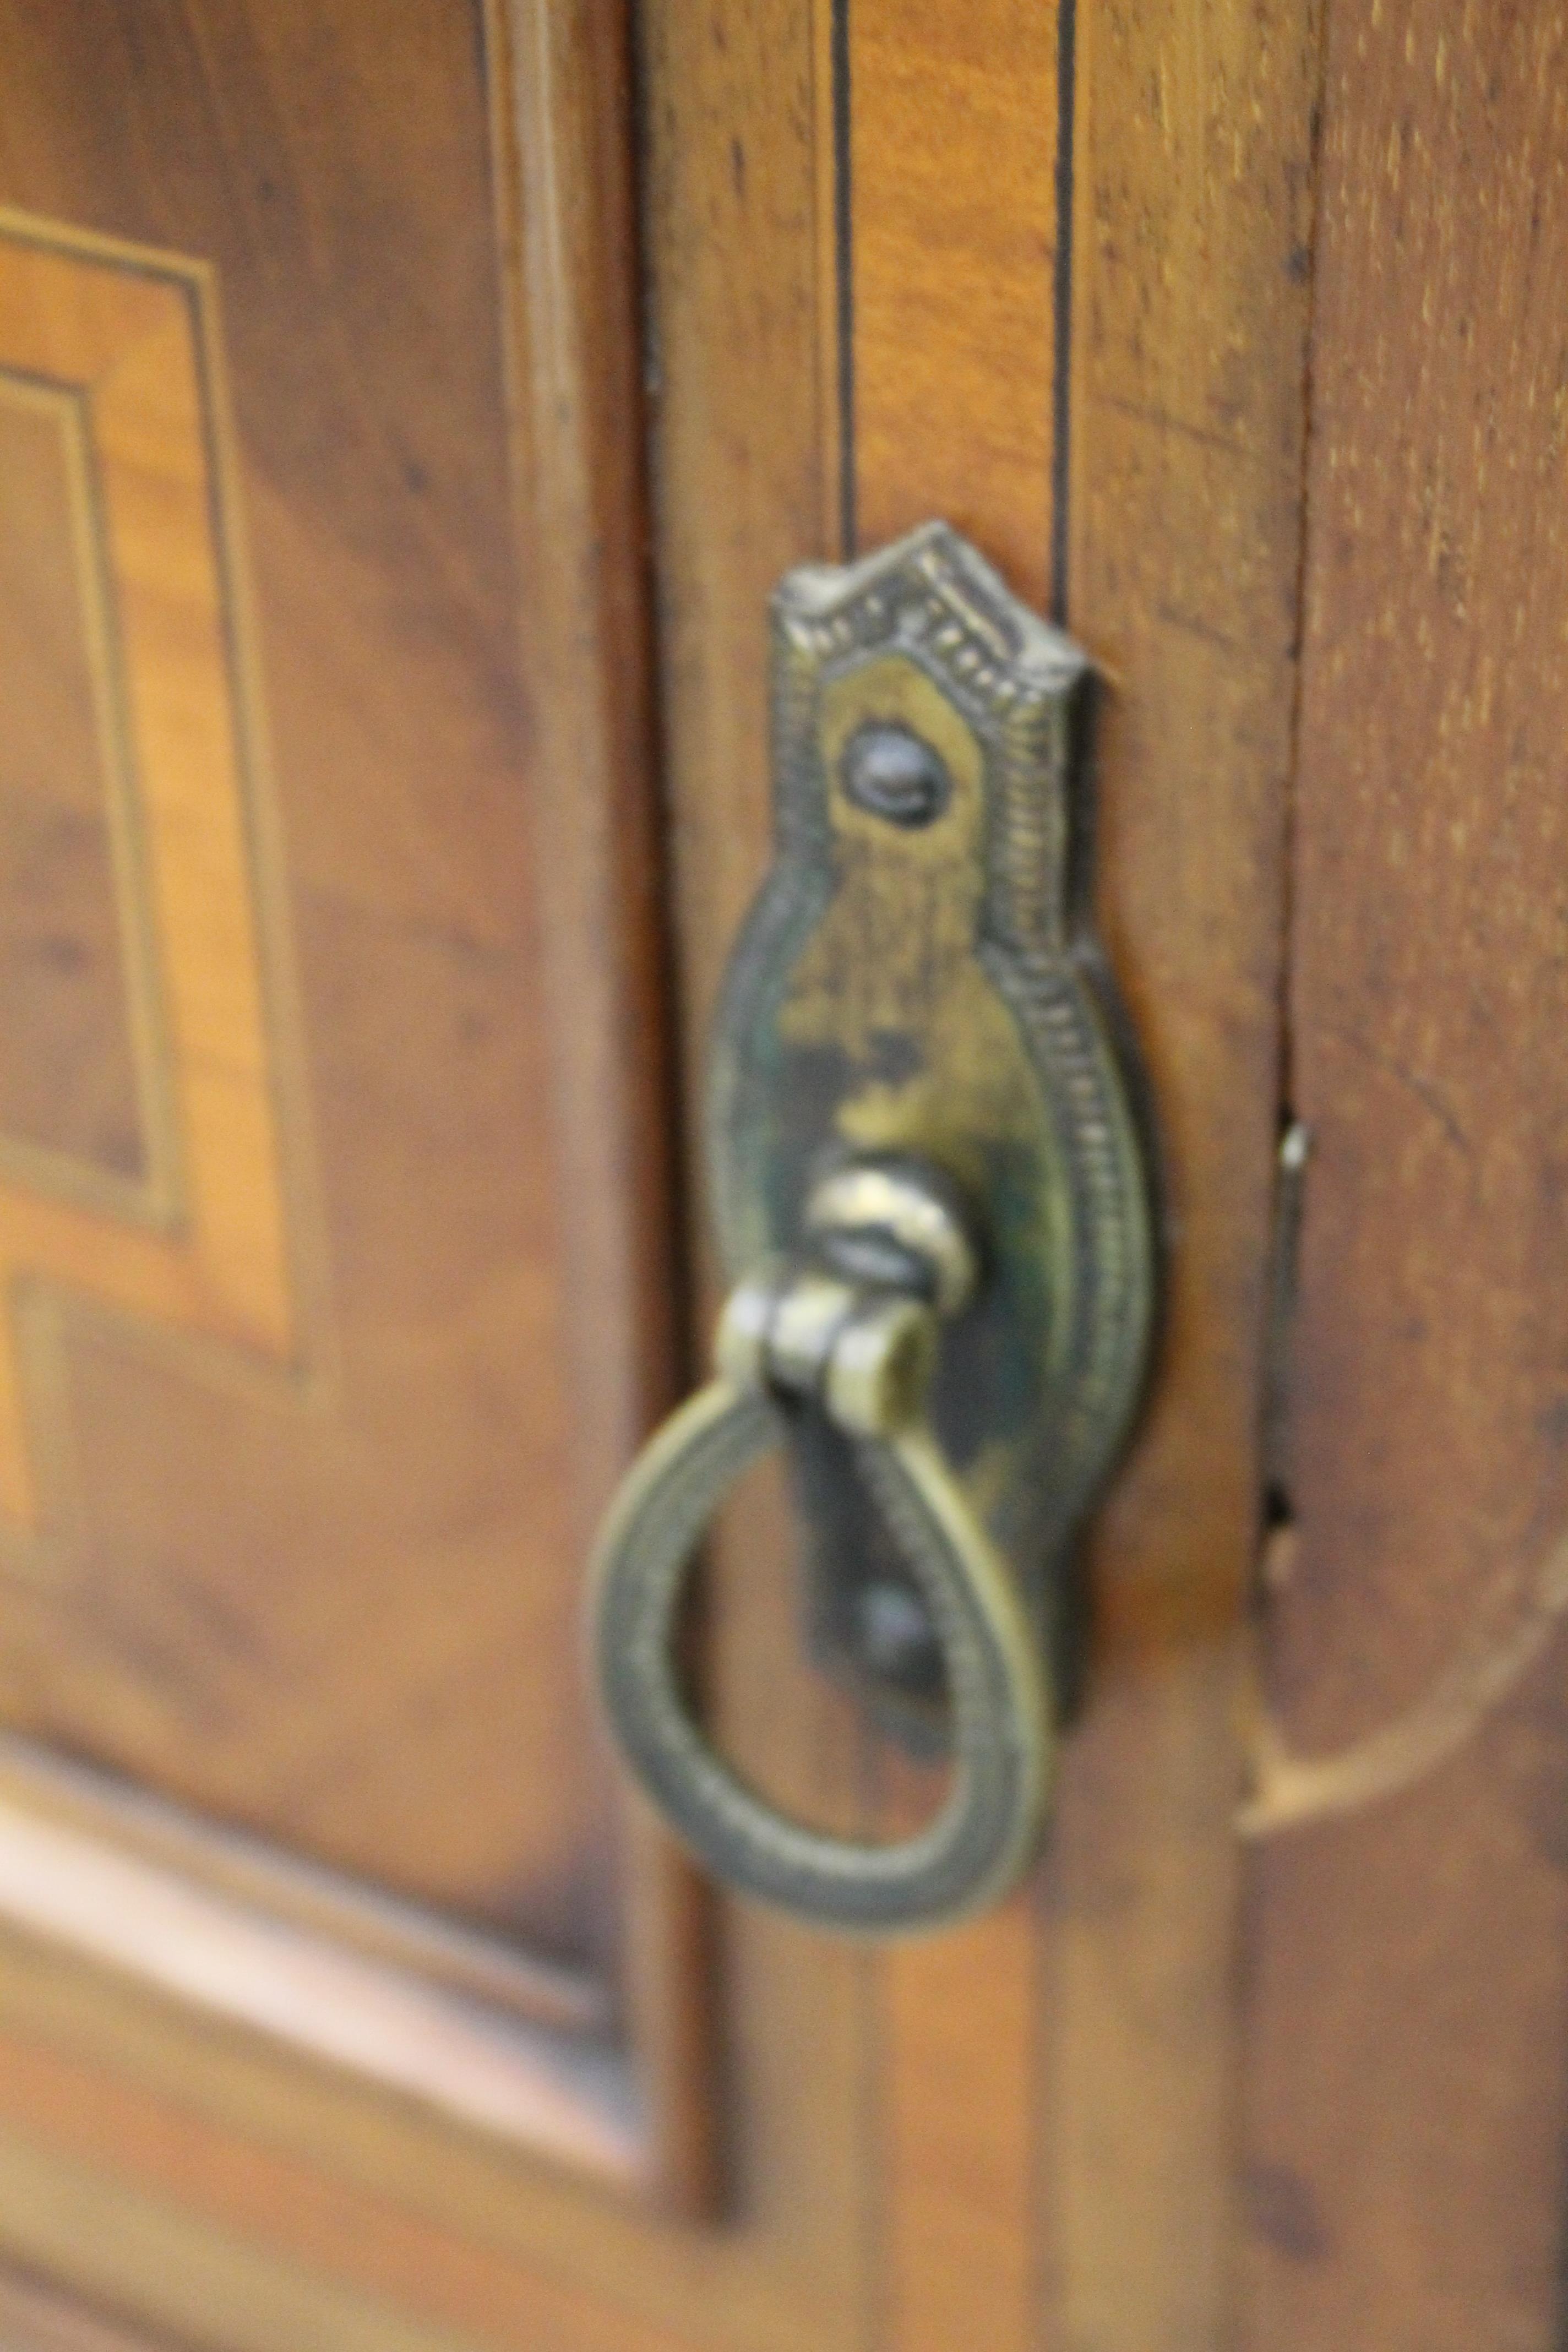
(916, 978)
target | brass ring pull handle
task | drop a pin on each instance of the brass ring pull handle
(914, 991)
(866, 1352)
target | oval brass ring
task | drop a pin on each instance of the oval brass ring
(1001, 1742)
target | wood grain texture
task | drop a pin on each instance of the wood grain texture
(129, 339)
(1022, 2134)
(69, 1085)
(957, 2158)
(952, 242)
(166, 2247)
(315, 2172)
(34, 2317)
(1408, 2060)
(1191, 211)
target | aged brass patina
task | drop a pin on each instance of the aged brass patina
(932, 1200)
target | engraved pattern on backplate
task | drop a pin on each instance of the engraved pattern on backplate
(1040, 1378)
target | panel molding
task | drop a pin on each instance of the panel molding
(32, 1165)
(226, 1925)
(562, 144)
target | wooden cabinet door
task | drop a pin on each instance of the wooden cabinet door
(405, 412)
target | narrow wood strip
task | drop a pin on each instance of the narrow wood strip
(1139, 2090)
(834, 342)
(298, 1894)
(563, 137)
(561, 127)
(959, 2023)
(953, 115)
(1192, 176)
(741, 293)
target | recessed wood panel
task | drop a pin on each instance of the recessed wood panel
(306, 1422)
(300, 1785)
(305, 1563)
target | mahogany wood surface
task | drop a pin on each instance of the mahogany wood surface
(1231, 333)
(1406, 2056)
(556, 304)
(1192, 209)
(34, 2318)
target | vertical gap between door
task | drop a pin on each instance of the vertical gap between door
(1276, 1512)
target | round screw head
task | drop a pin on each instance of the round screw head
(896, 1633)
(895, 774)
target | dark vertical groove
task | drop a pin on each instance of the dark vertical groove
(1061, 388)
(844, 248)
